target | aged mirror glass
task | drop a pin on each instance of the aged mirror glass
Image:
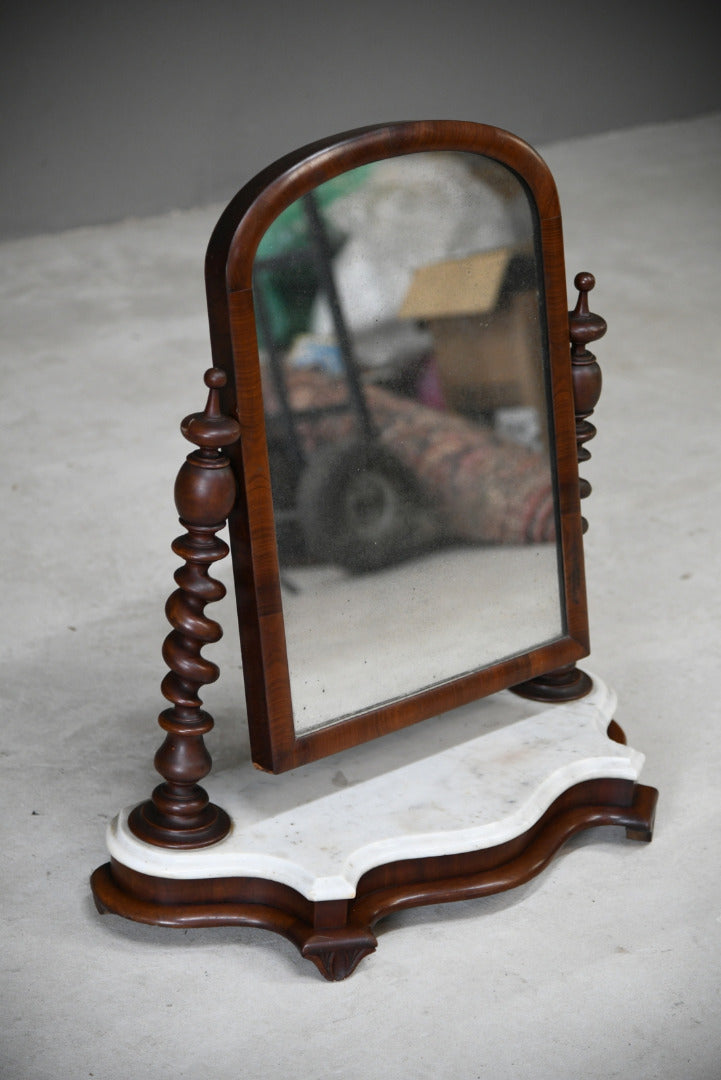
(405, 390)
(407, 533)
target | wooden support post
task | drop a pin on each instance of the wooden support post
(584, 327)
(179, 814)
(569, 682)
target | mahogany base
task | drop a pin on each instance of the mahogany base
(336, 934)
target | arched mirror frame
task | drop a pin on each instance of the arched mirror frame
(229, 272)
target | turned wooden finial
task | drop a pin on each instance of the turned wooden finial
(179, 814)
(211, 429)
(584, 326)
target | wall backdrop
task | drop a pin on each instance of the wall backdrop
(116, 109)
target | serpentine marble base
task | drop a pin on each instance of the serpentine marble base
(474, 818)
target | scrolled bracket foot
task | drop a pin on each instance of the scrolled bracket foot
(337, 953)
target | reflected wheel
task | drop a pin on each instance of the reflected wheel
(358, 507)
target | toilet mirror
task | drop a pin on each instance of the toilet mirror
(389, 307)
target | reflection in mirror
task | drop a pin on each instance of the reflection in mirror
(399, 310)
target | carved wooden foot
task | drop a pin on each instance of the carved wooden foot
(337, 953)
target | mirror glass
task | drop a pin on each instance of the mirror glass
(400, 319)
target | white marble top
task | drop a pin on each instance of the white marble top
(473, 794)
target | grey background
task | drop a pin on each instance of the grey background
(128, 109)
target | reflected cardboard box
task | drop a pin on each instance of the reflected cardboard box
(484, 321)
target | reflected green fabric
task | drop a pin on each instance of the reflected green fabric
(289, 290)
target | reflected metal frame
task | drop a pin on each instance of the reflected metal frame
(275, 745)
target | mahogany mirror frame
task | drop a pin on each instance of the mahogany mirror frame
(275, 745)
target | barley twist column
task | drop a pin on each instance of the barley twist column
(179, 814)
(584, 327)
(568, 682)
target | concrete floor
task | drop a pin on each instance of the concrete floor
(607, 965)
